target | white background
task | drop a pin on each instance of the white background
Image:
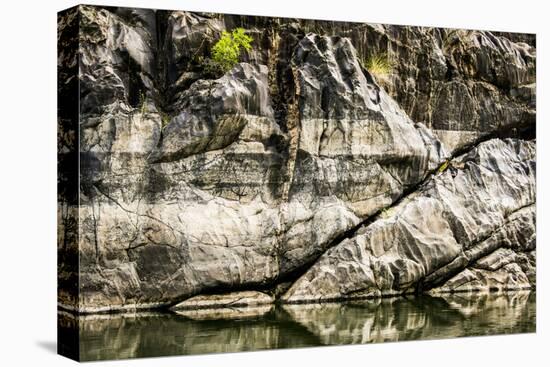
(28, 182)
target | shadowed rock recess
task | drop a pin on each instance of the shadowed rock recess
(301, 174)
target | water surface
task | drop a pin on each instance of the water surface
(306, 325)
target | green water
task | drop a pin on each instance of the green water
(292, 326)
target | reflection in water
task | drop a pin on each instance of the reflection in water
(417, 318)
(289, 326)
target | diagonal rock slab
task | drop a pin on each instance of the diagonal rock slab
(456, 218)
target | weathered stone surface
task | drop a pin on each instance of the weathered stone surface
(212, 114)
(510, 263)
(116, 59)
(234, 299)
(493, 59)
(226, 312)
(191, 183)
(482, 203)
(191, 37)
(462, 84)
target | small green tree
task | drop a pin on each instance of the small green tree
(226, 52)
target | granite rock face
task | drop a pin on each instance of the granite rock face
(462, 84)
(476, 219)
(297, 175)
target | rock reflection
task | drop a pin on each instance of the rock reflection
(287, 326)
(424, 317)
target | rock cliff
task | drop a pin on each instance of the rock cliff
(299, 174)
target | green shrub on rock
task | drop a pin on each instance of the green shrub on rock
(226, 52)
